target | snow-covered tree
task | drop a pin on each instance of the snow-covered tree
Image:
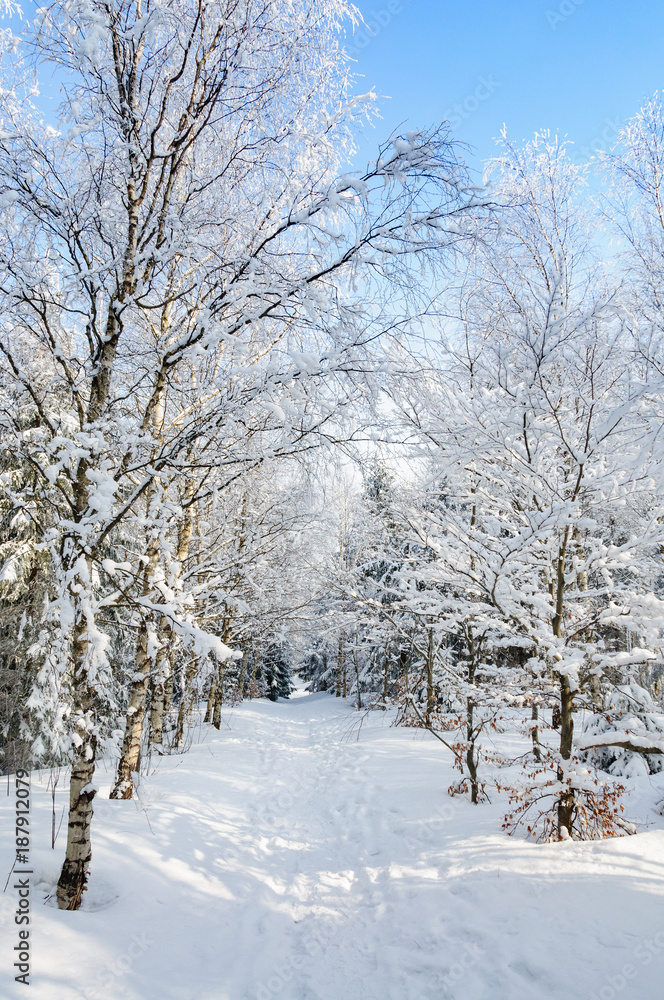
(538, 427)
(180, 246)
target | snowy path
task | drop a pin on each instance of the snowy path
(285, 857)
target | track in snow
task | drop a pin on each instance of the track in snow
(286, 857)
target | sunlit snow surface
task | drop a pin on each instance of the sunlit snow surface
(299, 854)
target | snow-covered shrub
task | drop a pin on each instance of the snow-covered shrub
(631, 717)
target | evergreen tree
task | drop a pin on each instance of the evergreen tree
(276, 671)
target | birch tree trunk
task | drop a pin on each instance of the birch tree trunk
(133, 736)
(534, 732)
(211, 700)
(160, 700)
(187, 699)
(163, 674)
(74, 873)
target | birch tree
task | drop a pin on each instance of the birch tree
(539, 430)
(183, 219)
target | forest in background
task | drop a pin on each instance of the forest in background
(397, 431)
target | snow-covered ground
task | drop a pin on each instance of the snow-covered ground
(297, 854)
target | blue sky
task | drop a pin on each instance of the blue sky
(576, 68)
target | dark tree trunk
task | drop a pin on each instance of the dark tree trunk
(471, 762)
(219, 696)
(566, 801)
(430, 691)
